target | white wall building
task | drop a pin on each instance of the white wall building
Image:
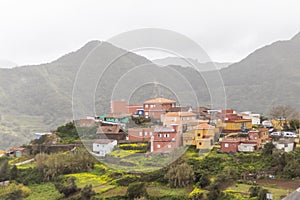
(103, 147)
(254, 117)
(286, 144)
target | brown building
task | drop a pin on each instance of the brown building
(165, 139)
(140, 134)
(122, 107)
(230, 145)
(118, 107)
(154, 108)
(111, 132)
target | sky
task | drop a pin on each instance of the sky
(35, 32)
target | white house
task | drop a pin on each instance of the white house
(286, 144)
(247, 147)
(103, 147)
(254, 117)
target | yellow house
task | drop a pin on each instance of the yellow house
(202, 136)
(277, 124)
(236, 125)
(188, 138)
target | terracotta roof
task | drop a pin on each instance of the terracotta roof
(204, 126)
(114, 129)
(180, 114)
(160, 100)
(17, 149)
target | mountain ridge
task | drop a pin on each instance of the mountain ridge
(39, 97)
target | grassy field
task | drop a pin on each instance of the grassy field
(243, 189)
(45, 191)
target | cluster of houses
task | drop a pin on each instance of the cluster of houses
(174, 126)
(166, 126)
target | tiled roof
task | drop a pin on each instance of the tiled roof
(180, 114)
(160, 100)
(204, 126)
(114, 129)
(17, 149)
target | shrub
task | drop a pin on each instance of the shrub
(87, 192)
(136, 190)
(196, 194)
(180, 175)
(67, 187)
(126, 180)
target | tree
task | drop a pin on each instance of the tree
(4, 170)
(204, 181)
(136, 190)
(68, 132)
(268, 149)
(14, 173)
(180, 175)
(67, 187)
(283, 113)
(259, 192)
(87, 192)
(294, 124)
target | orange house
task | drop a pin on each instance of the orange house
(140, 134)
(154, 108)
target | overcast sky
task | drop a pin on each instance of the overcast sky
(34, 32)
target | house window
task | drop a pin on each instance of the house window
(173, 139)
(146, 133)
(146, 113)
(169, 146)
(159, 135)
(200, 143)
(151, 106)
(226, 145)
(150, 133)
(158, 146)
(198, 134)
(140, 134)
(167, 135)
(146, 106)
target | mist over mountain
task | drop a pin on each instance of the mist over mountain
(269, 76)
(7, 64)
(38, 98)
(187, 62)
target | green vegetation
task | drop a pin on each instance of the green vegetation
(77, 175)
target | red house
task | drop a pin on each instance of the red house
(140, 134)
(230, 145)
(154, 108)
(165, 139)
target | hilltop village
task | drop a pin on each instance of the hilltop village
(163, 126)
(166, 127)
